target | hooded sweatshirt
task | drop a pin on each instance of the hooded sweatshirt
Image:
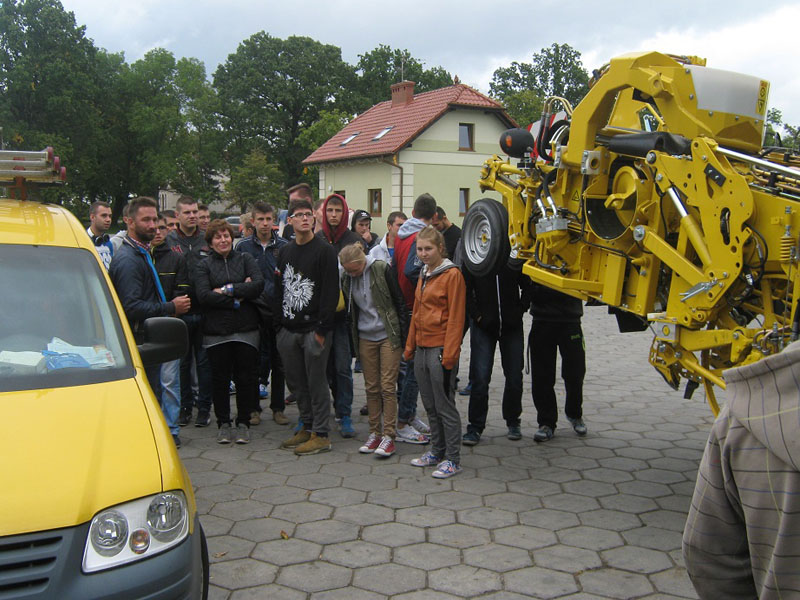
(742, 535)
(341, 236)
(439, 312)
(405, 251)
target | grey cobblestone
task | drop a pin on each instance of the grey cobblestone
(598, 517)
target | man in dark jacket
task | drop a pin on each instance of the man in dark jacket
(336, 233)
(556, 326)
(191, 241)
(264, 245)
(360, 224)
(136, 280)
(495, 304)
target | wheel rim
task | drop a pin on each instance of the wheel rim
(477, 240)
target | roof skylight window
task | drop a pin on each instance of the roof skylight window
(349, 139)
(383, 132)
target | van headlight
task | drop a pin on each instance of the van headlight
(135, 530)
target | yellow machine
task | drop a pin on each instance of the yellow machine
(655, 197)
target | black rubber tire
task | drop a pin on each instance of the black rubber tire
(484, 237)
(204, 554)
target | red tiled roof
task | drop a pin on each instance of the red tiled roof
(407, 122)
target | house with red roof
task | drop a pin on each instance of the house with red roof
(433, 142)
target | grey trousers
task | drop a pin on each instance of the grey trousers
(304, 364)
(437, 388)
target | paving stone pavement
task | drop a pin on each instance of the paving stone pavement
(579, 518)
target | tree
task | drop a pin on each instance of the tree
(558, 71)
(384, 66)
(256, 180)
(554, 71)
(271, 89)
(49, 87)
(524, 107)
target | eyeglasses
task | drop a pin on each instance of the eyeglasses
(302, 216)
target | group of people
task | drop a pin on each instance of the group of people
(294, 309)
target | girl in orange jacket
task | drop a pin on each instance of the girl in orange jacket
(435, 335)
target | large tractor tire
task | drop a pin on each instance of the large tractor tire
(484, 237)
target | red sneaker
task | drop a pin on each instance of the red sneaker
(373, 441)
(386, 447)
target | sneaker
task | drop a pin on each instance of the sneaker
(514, 433)
(346, 427)
(446, 468)
(409, 435)
(177, 440)
(301, 437)
(545, 433)
(289, 399)
(466, 390)
(471, 438)
(386, 447)
(279, 417)
(224, 434)
(357, 367)
(299, 427)
(314, 445)
(420, 425)
(263, 392)
(373, 441)
(426, 460)
(242, 434)
(578, 426)
(232, 388)
(255, 418)
(185, 418)
(364, 411)
(203, 419)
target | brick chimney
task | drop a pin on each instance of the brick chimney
(402, 93)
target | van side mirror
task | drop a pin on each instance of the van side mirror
(165, 339)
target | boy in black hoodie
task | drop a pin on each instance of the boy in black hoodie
(335, 231)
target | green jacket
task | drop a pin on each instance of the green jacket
(388, 299)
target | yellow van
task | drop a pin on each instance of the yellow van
(94, 499)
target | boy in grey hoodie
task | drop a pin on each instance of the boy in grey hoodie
(742, 535)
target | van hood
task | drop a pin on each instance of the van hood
(72, 452)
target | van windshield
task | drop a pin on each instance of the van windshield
(58, 324)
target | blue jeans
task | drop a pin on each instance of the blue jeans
(170, 398)
(194, 325)
(482, 348)
(342, 360)
(409, 390)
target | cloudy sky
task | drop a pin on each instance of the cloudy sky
(467, 37)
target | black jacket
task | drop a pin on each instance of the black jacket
(496, 303)
(221, 317)
(171, 268)
(266, 258)
(135, 283)
(549, 305)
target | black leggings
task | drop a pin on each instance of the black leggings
(237, 361)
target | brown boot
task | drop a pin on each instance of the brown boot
(279, 417)
(255, 417)
(301, 437)
(314, 445)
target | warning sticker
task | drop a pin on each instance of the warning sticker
(763, 93)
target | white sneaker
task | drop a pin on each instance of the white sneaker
(420, 425)
(410, 435)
